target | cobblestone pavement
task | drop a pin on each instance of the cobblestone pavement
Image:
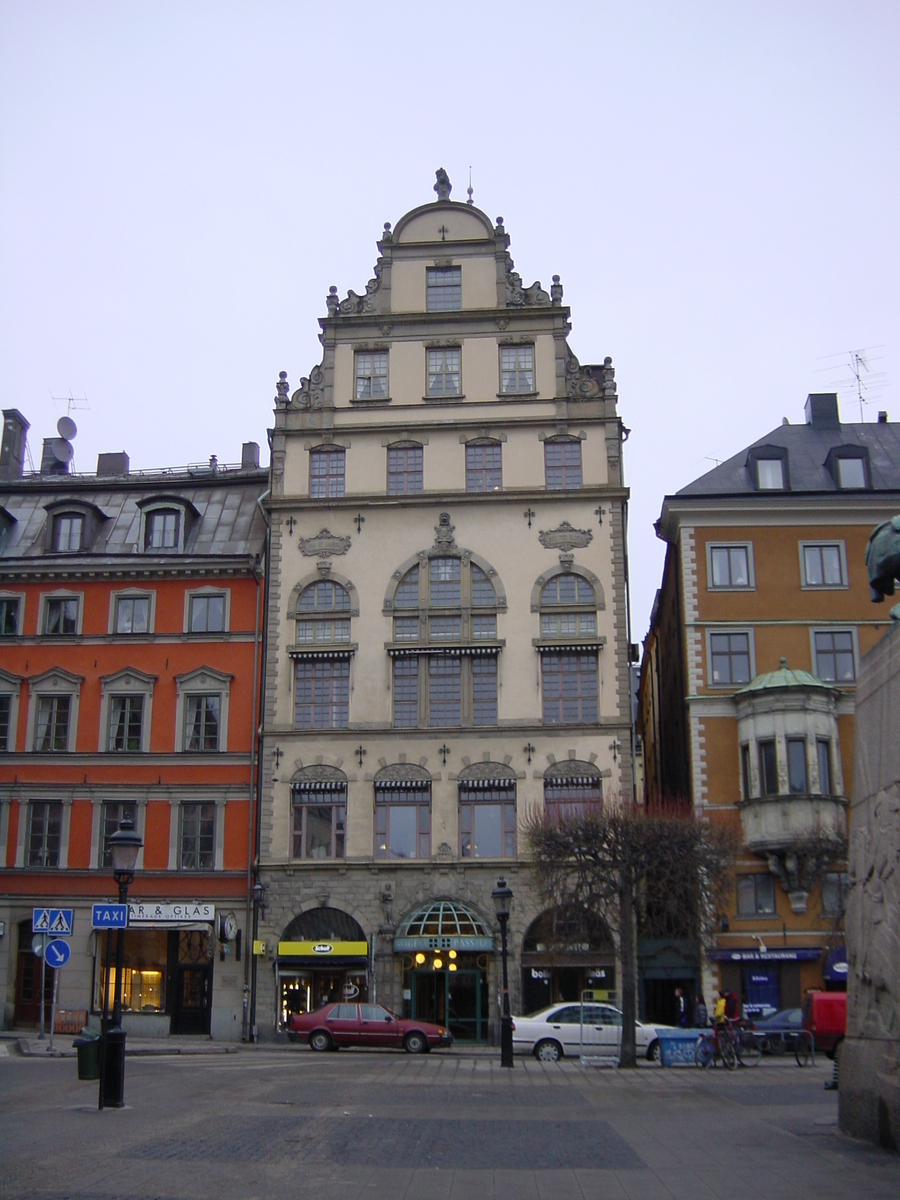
(272, 1123)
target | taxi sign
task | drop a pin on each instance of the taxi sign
(109, 916)
(55, 921)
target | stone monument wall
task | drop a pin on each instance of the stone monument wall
(869, 1100)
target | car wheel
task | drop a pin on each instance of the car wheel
(415, 1043)
(548, 1051)
(320, 1039)
(653, 1051)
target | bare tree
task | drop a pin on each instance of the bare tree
(667, 872)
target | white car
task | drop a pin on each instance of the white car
(557, 1031)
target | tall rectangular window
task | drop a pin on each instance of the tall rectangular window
(487, 822)
(201, 721)
(484, 467)
(403, 821)
(516, 370)
(320, 819)
(572, 798)
(823, 754)
(729, 566)
(371, 375)
(67, 531)
(404, 470)
(755, 895)
(444, 578)
(322, 693)
(132, 614)
(444, 691)
(562, 465)
(51, 725)
(198, 837)
(161, 529)
(569, 688)
(326, 474)
(443, 371)
(729, 657)
(443, 289)
(823, 566)
(745, 770)
(484, 690)
(770, 474)
(835, 885)
(126, 716)
(207, 614)
(768, 769)
(796, 754)
(851, 472)
(5, 721)
(44, 833)
(406, 692)
(835, 662)
(113, 816)
(9, 616)
(60, 615)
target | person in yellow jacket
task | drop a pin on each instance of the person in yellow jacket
(719, 1010)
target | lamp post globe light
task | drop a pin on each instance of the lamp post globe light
(124, 845)
(502, 897)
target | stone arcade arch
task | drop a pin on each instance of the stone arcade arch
(323, 955)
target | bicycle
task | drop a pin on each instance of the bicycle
(748, 1045)
(804, 1048)
(714, 1044)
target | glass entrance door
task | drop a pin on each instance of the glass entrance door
(456, 999)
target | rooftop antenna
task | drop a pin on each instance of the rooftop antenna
(859, 366)
(72, 403)
(469, 188)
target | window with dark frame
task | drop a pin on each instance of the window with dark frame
(315, 622)
(403, 820)
(68, 532)
(729, 566)
(319, 821)
(371, 375)
(206, 614)
(835, 886)
(770, 474)
(44, 833)
(562, 465)
(484, 689)
(60, 616)
(132, 614)
(745, 770)
(9, 616)
(201, 721)
(835, 661)
(321, 693)
(484, 467)
(114, 813)
(404, 471)
(161, 529)
(444, 691)
(5, 721)
(517, 370)
(755, 895)
(572, 798)
(822, 566)
(51, 723)
(823, 754)
(198, 837)
(730, 657)
(443, 289)
(768, 769)
(487, 821)
(406, 692)
(444, 578)
(564, 591)
(569, 688)
(126, 719)
(796, 755)
(483, 594)
(407, 593)
(326, 474)
(443, 371)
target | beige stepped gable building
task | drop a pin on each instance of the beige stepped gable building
(447, 634)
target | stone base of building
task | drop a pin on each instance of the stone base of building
(869, 1097)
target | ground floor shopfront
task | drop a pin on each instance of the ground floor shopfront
(766, 980)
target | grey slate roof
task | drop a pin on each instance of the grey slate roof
(229, 522)
(808, 449)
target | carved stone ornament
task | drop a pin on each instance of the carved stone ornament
(580, 383)
(444, 533)
(522, 297)
(324, 544)
(442, 185)
(319, 773)
(281, 390)
(565, 538)
(311, 392)
(353, 304)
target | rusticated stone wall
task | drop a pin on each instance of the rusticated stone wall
(870, 1059)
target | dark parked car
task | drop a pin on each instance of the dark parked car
(779, 1030)
(336, 1025)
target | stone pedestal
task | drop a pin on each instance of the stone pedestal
(869, 1101)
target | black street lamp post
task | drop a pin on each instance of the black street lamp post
(124, 846)
(502, 897)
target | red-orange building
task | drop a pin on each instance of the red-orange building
(130, 650)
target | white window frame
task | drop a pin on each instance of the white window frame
(11, 685)
(444, 372)
(20, 614)
(716, 629)
(851, 629)
(824, 543)
(60, 594)
(128, 682)
(177, 830)
(131, 594)
(148, 510)
(204, 681)
(198, 593)
(730, 587)
(54, 682)
(371, 376)
(517, 346)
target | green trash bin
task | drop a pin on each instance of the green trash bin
(87, 1047)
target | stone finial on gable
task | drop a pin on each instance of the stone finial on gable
(442, 186)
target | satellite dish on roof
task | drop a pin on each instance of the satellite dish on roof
(61, 450)
(66, 427)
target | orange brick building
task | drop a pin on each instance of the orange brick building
(748, 682)
(130, 650)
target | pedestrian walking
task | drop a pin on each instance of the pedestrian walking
(701, 1015)
(681, 1007)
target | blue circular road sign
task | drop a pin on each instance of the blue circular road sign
(57, 953)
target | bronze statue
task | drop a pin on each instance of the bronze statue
(883, 562)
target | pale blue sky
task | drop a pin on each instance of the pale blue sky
(717, 185)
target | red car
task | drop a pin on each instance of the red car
(336, 1025)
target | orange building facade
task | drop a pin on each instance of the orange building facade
(748, 679)
(130, 649)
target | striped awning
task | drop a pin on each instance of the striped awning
(476, 785)
(328, 785)
(313, 652)
(429, 648)
(586, 646)
(567, 781)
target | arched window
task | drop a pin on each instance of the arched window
(569, 649)
(572, 788)
(487, 811)
(322, 651)
(319, 809)
(319, 610)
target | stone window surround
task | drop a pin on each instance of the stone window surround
(6, 594)
(206, 590)
(132, 593)
(730, 587)
(823, 542)
(91, 520)
(834, 628)
(175, 833)
(779, 726)
(203, 681)
(41, 793)
(11, 685)
(709, 664)
(168, 503)
(371, 348)
(59, 682)
(60, 594)
(127, 682)
(99, 801)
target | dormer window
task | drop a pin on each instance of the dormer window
(161, 529)
(849, 467)
(851, 473)
(770, 474)
(68, 531)
(768, 467)
(167, 523)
